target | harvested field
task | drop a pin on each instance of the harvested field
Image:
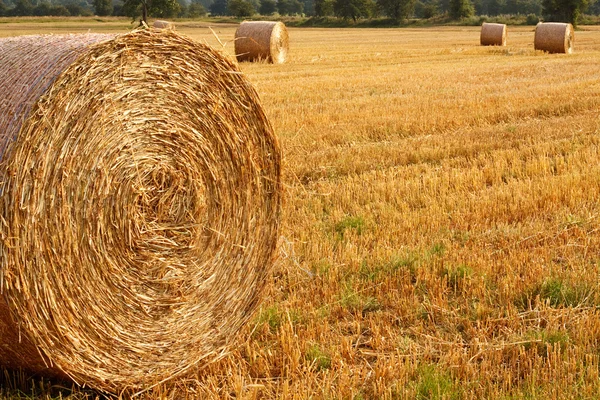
(441, 227)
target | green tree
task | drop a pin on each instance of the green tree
(22, 8)
(103, 8)
(46, 9)
(564, 10)
(347, 9)
(494, 7)
(205, 3)
(511, 7)
(77, 9)
(267, 7)
(530, 7)
(43, 8)
(218, 7)
(425, 10)
(240, 8)
(196, 10)
(3, 9)
(296, 7)
(308, 7)
(397, 9)
(461, 9)
(323, 8)
(182, 9)
(283, 7)
(443, 6)
(59, 11)
(150, 8)
(289, 7)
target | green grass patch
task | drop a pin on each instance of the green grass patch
(435, 383)
(355, 301)
(544, 341)
(556, 292)
(408, 262)
(436, 250)
(376, 271)
(270, 316)
(321, 267)
(456, 275)
(349, 223)
(273, 317)
(318, 357)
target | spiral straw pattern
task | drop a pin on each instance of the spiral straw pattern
(140, 200)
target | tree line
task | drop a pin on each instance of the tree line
(44, 8)
(102, 8)
(396, 10)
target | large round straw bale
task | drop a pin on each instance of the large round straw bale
(140, 205)
(261, 40)
(554, 37)
(493, 34)
(159, 24)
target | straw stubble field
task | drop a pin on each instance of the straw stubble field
(441, 232)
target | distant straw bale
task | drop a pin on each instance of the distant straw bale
(493, 34)
(159, 24)
(554, 37)
(262, 40)
(140, 205)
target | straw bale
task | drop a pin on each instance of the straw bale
(493, 34)
(262, 40)
(159, 24)
(554, 37)
(140, 205)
